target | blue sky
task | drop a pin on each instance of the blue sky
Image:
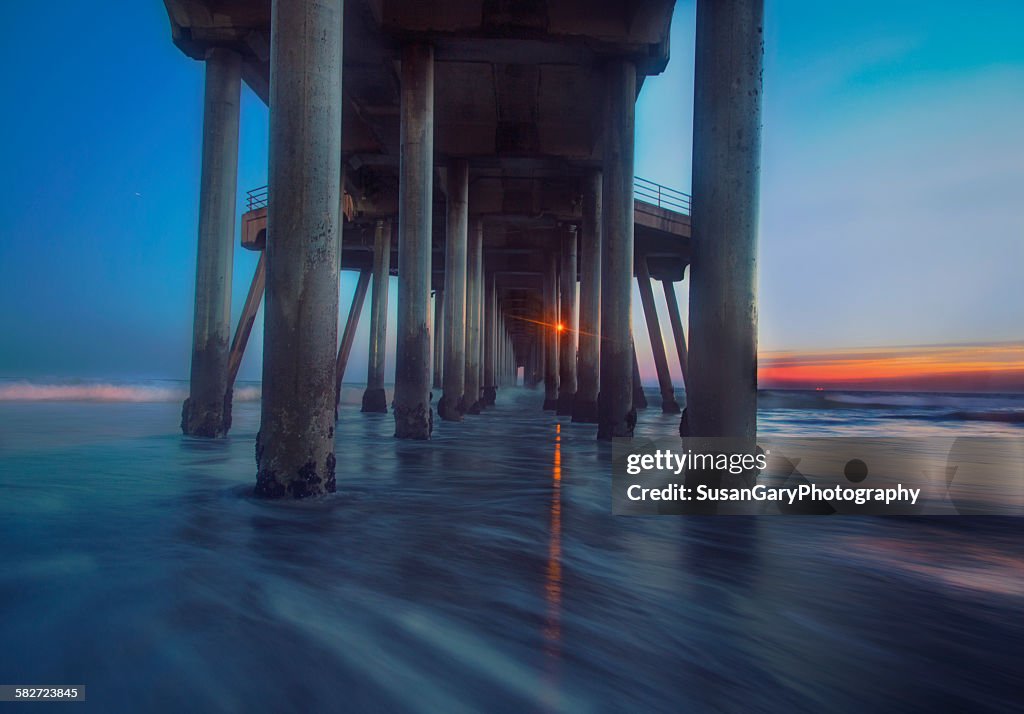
(892, 184)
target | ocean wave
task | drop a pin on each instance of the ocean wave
(1006, 416)
(106, 392)
(918, 400)
(966, 404)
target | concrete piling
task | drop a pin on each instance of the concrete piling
(617, 417)
(722, 391)
(295, 445)
(567, 318)
(589, 356)
(451, 406)
(374, 398)
(207, 411)
(438, 335)
(474, 317)
(413, 415)
(549, 332)
(490, 386)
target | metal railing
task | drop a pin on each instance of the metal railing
(643, 190)
(661, 196)
(256, 198)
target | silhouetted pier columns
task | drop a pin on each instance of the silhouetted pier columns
(474, 317)
(722, 390)
(549, 332)
(207, 411)
(617, 417)
(668, 392)
(295, 445)
(451, 406)
(490, 386)
(413, 417)
(438, 335)
(567, 319)
(374, 398)
(588, 363)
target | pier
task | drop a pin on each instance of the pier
(483, 153)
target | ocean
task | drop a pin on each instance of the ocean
(480, 571)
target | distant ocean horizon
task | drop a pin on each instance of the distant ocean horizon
(1006, 408)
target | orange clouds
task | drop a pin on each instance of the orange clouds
(965, 368)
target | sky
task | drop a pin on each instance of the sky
(891, 201)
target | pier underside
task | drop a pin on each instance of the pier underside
(486, 159)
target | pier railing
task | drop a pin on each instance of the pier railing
(661, 196)
(256, 198)
(643, 190)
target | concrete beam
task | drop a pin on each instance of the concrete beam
(207, 411)
(295, 445)
(247, 319)
(348, 335)
(668, 393)
(677, 328)
(639, 398)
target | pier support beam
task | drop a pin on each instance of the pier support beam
(247, 319)
(295, 445)
(374, 398)
(348, 335)
(438, 334)
(413, 416)
(722, 392)
(490, 388)
(567, 319)
(668, 392)
(549, 333)
(677, 328)
(584, 407)
(639, 398)
(207, 411)
(474, 315)
(617, 417)
(451, 405)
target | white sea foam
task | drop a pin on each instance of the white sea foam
(25, 391)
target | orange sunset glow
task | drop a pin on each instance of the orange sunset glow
(954, 368)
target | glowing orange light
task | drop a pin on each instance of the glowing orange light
(560, 327)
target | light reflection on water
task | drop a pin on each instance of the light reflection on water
(478, 572)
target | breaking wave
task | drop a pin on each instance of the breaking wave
(25, 391)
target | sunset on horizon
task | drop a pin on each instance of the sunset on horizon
(995, 367)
